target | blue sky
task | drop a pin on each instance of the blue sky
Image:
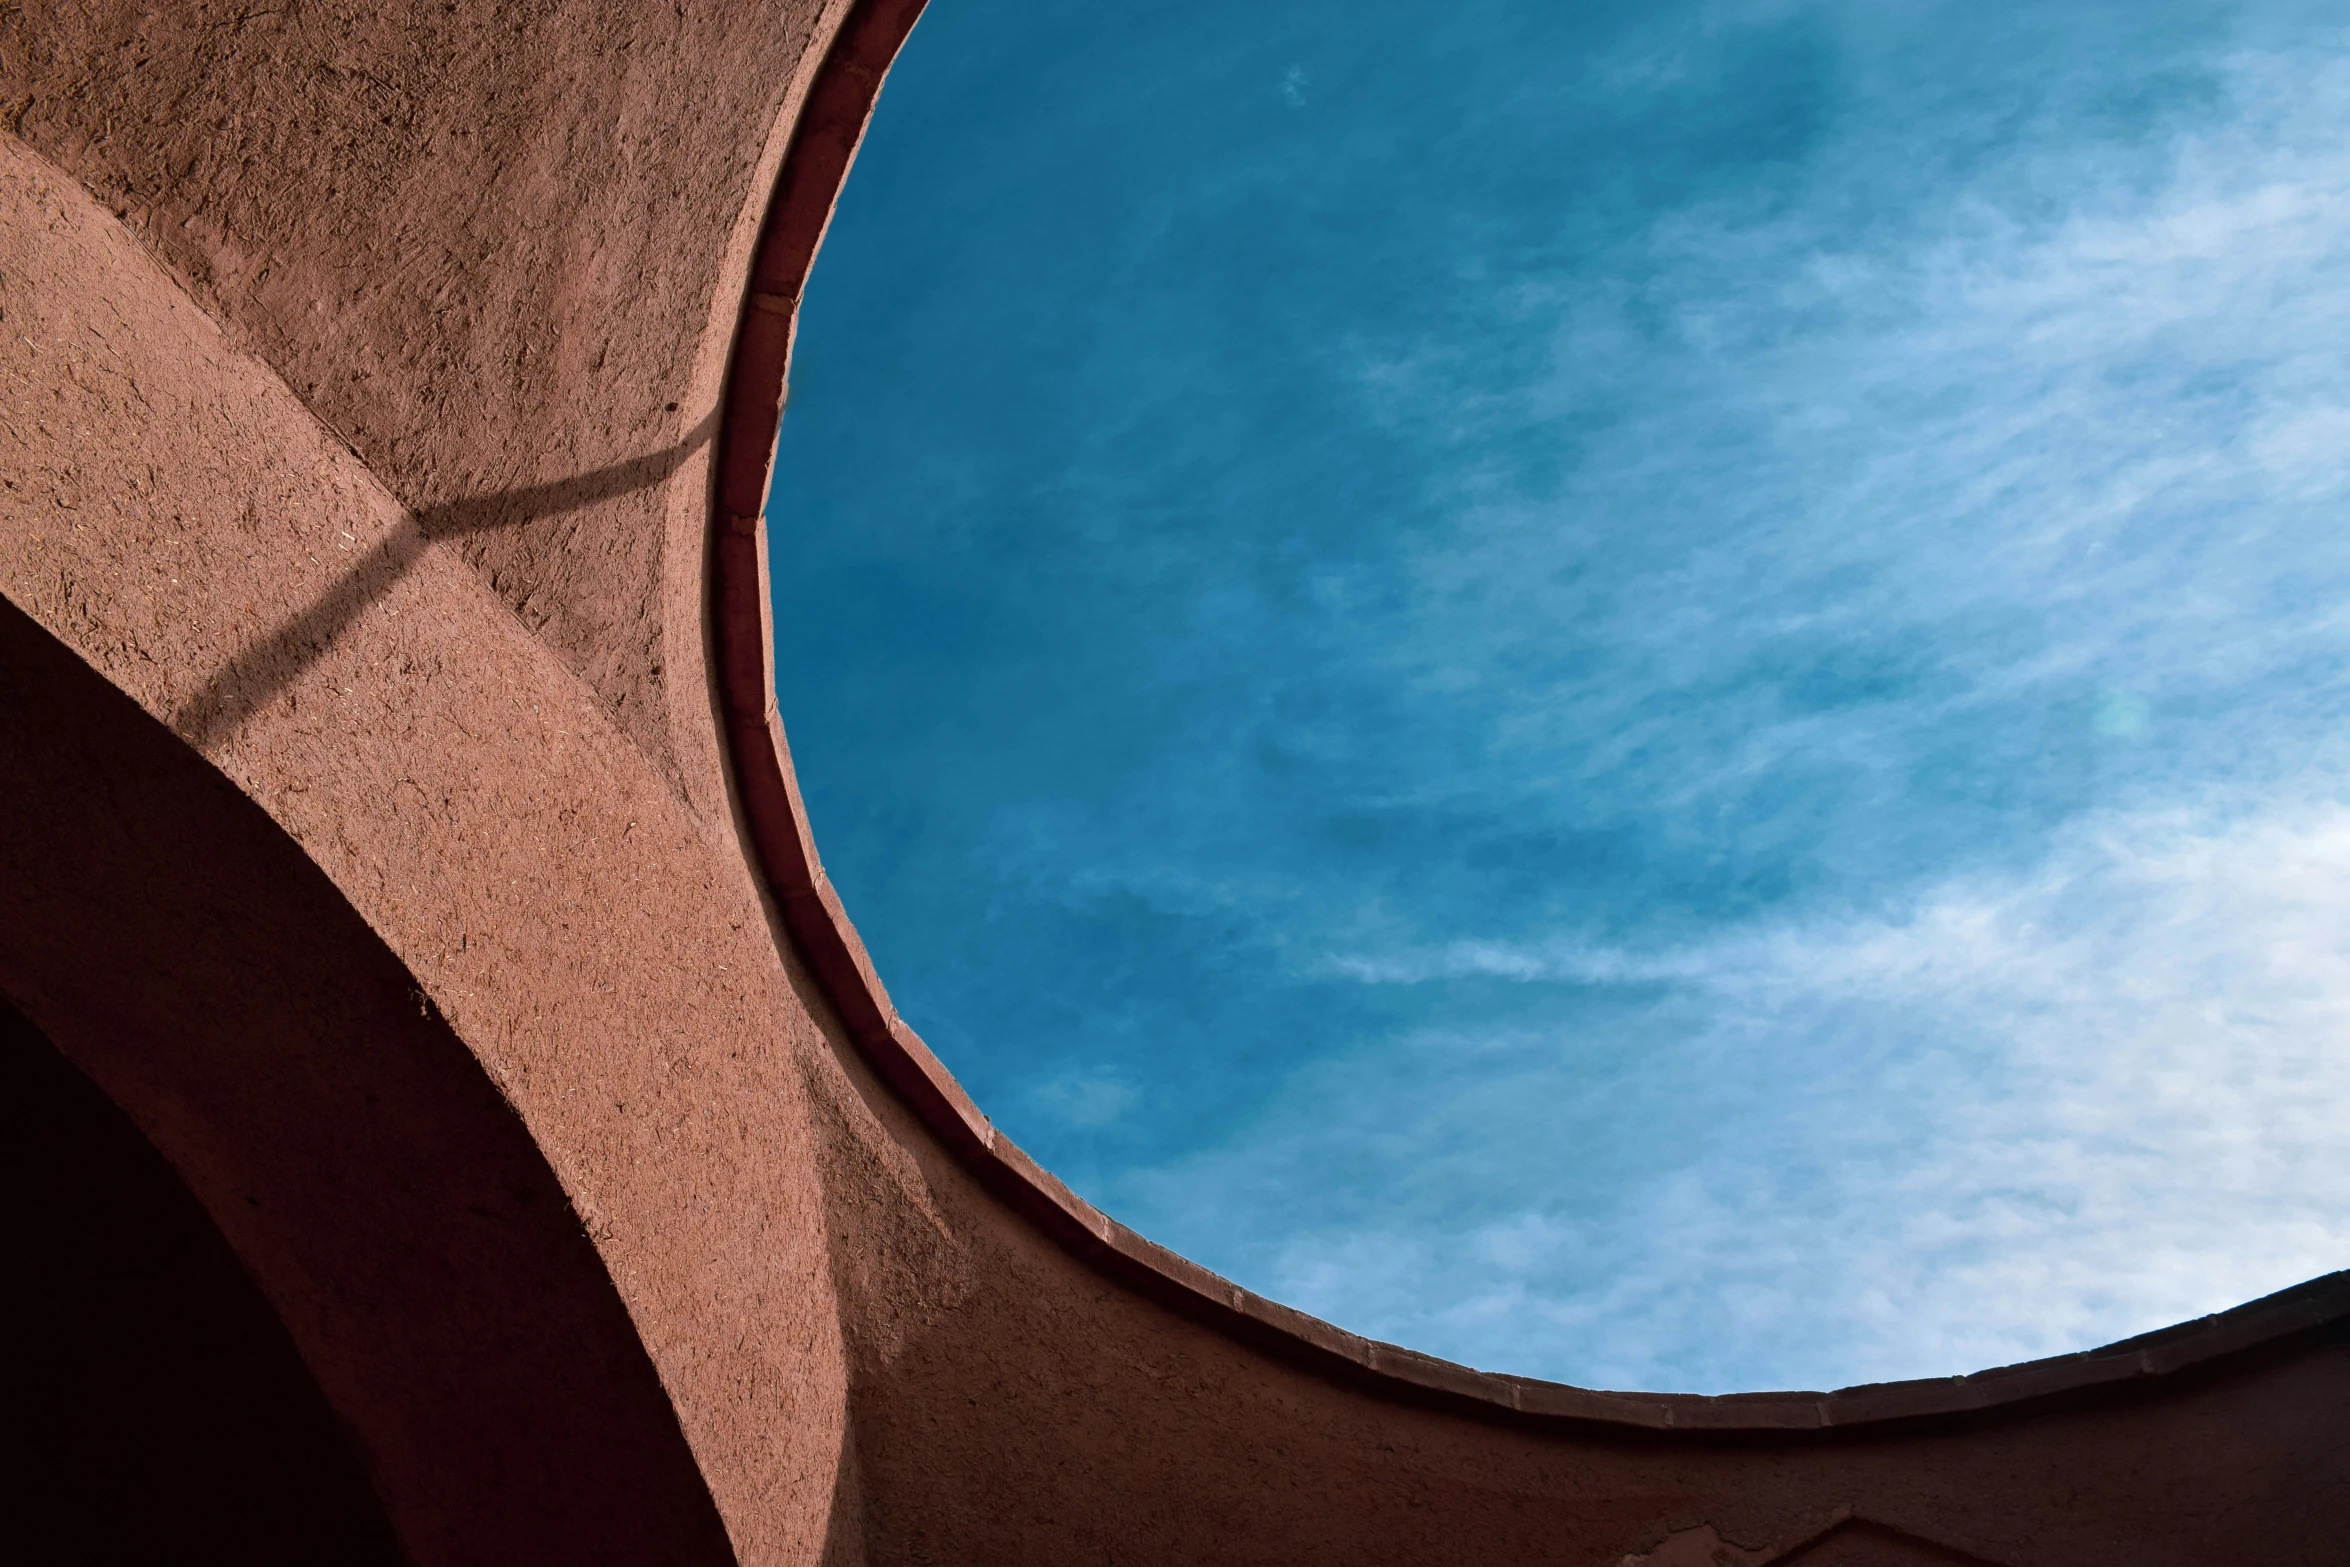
(1649, 694)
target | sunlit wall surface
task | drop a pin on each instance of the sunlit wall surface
(1652, 694)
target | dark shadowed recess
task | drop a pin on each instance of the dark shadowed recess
(161, 1413)
(196, 966)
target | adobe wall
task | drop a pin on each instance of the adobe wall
(385, 409)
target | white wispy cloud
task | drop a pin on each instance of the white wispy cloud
(1727, 637)
(2024, 1115)
(2089, 1080)
(2087, 448)
(1084, 1100)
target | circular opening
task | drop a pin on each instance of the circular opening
(1645, 695)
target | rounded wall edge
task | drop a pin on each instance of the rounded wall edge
(783, 855)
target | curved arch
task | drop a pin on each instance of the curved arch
(784, 851)
(147, 1360)
(194, 963)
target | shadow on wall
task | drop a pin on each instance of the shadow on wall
(163, 1411)
(248, 681)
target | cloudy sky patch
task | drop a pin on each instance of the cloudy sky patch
(1655, 700)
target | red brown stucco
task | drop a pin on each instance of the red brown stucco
(385, 415)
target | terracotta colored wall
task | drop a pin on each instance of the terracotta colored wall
(385, 411)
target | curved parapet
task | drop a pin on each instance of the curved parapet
(386, 459)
